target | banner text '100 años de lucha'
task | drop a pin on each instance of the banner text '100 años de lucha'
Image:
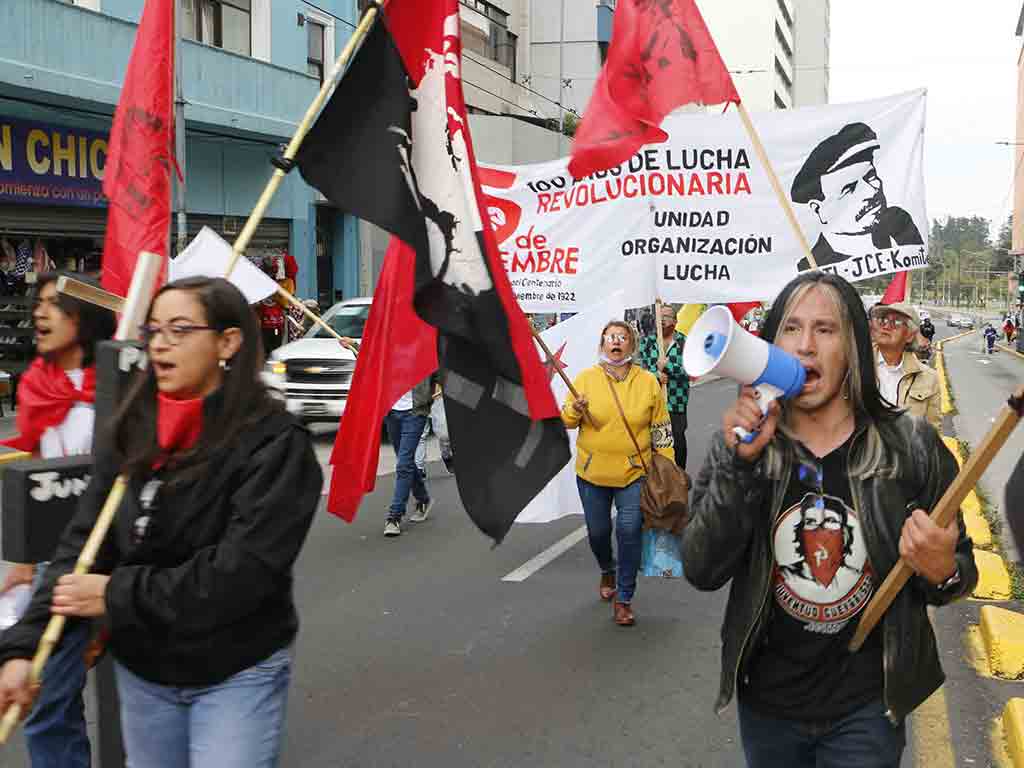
(695, 219)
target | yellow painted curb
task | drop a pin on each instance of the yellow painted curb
(940, 368)
(978, 529)
(1003, 634)
(1013, 730)
(1010, 350)
(993, 581)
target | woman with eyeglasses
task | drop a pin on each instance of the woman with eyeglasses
(55, 419)
(195, 576)
(608, 467)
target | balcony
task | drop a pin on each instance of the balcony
(69, 55)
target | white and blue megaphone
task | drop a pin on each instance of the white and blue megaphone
(716, 344)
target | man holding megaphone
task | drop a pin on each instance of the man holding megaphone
(811, 493)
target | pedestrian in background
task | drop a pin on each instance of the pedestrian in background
(438, 422)
(903, 379)
(55, 418)
(195, 577)
(405, 424)
(671, 375)
(608, 467)
(835, 484)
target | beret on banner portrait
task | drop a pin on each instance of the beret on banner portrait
(855, 143)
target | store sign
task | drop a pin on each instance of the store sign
(45, 164)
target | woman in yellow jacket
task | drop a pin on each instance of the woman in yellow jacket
(607, 465)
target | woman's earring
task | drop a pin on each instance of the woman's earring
(225, 365)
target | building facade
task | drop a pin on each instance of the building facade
(1018, 157)
(249, 70)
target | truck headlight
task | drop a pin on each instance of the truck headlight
(276, 367)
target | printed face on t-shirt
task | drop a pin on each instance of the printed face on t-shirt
(822, 575)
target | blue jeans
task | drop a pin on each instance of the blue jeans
(597, 510)
(865, 738)
(55, 732)
(404, 431)
(234, 724)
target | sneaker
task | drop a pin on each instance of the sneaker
(421, 512)
(392, 528)
(449, 463)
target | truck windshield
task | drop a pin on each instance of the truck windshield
(347, 319)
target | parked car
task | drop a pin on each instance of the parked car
(960, 321)
(314, 374)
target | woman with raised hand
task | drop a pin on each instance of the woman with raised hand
(195, 576)
(609, 465)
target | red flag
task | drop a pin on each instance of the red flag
(661, 57)
(398, 351)
(393, 147)
(739, 309)
(137, 179)
(897, 290)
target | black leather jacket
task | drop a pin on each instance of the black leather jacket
(729, 538)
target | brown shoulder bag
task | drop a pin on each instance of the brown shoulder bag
(664, 499)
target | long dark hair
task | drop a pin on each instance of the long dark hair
(243, 399)
(95, 324)
(861, 385)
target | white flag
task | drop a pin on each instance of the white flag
(209, 254)
(574, 345)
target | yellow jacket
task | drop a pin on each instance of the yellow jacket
(605, 455)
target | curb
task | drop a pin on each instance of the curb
(1013, 728)
(993, 581)
(1003, 634)
(977, 526)
(1010, 350)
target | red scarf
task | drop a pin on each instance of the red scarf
(178, 423)
(45, 395)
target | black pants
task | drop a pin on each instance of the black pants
(679, 437)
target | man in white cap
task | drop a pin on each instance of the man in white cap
(903, 380)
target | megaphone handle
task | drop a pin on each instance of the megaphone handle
(768, 394)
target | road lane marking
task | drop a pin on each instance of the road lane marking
(530, 567)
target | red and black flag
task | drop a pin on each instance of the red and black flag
(393, 147)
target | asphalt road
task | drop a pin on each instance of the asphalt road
(414, 652)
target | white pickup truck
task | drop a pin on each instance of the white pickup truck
(314, 373)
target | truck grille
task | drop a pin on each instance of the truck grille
(329, 372)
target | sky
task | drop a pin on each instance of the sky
(965, 54)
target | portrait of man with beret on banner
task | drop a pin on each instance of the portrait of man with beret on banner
(840, 184)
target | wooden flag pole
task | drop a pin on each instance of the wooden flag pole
(285, 163)
(661, 346)
(944, 513)
(55, 627)
(85, 292)
(90, 293)
(561, 373)
(783, 200)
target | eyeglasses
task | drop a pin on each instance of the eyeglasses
(173, 333)
(890, 321)
(616, 338)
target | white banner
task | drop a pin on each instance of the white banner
(695, 219)
(574, 344)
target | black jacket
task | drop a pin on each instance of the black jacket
(207, 592)
(729, 538)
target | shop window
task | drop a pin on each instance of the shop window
(224, 24)
(315, 54)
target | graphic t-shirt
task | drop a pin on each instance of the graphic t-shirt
(821, 582)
